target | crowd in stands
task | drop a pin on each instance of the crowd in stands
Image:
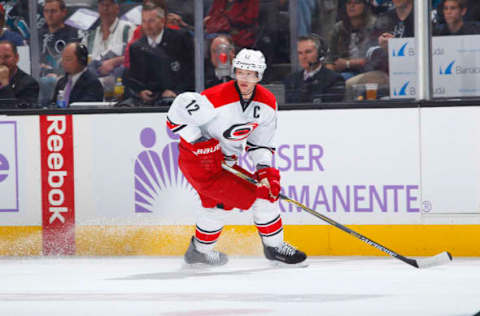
(341, 43)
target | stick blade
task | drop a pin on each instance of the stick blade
(441, 258)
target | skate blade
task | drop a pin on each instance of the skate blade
(200, 266)
(283, 265)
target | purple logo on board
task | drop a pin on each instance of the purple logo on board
(4, 167)
(8, 167)
(308, 162)
(157, 176)
(156, 172)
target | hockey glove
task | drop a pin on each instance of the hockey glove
(268, 186)
(209, 155)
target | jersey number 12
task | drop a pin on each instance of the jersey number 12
(192, 107)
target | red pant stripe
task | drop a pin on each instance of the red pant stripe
(207, 237)
(270, 228)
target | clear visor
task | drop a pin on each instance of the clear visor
(246, 75)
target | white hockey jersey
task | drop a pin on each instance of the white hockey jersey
(218, 113)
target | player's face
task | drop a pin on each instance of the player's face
(355, 8)
(452, 12)
(246, 80)
(307, 54)
(152, 24)
(53, 14)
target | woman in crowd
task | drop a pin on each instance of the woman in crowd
(350, 39)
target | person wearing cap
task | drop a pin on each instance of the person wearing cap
(6, 34)
(17, 88)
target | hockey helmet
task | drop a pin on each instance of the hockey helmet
(250, 59)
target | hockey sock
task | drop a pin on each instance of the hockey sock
(268, 221)
(205, 240)
(208, 229)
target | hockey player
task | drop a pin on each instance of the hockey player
(216, 126)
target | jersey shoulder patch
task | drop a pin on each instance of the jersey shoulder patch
(222, 94)
(263, 95)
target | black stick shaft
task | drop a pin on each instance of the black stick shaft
(330, 221)
(351, 232)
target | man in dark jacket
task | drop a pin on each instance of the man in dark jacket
(161, 62)
(17, 89)
(78, 84)
(315, 83)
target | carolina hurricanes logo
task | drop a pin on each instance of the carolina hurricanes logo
(239, 131)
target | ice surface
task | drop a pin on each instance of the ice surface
(245, 286)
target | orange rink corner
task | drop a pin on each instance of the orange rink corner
(315, 240)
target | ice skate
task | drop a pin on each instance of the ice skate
(212, 258)
(285, 253)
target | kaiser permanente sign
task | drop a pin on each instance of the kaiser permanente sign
(455, 66)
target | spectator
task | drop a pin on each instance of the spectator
(161, 61)
(54, 35)
(219, 67)
(107, 43)
(16, 15)
(395, 23)
(315, 83)
(78, 84)
(16, 87)
(454, 12)
(6, 34)
(239, 18)
(138, 32)
(174, 21)
(350, 38)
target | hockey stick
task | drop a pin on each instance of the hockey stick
(441, 258)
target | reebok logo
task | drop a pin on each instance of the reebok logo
(58, 202)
